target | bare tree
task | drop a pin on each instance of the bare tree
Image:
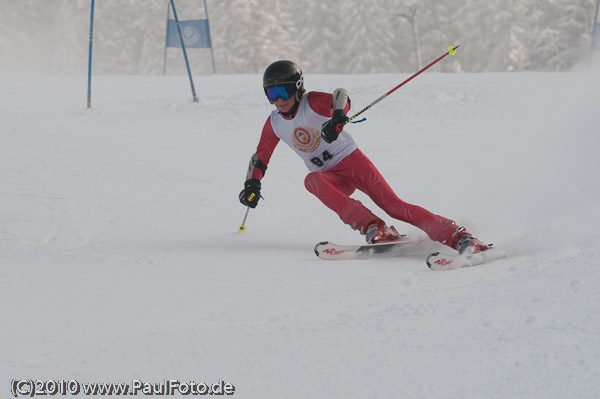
(411, 16)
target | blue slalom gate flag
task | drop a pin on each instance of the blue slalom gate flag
(195, 34)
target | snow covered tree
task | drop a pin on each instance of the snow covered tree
(369, 40)
(559, 33)
(333, 36)
(318, 32)
(250, 34)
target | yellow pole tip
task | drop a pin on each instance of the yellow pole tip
(451, 50)
(242, 228)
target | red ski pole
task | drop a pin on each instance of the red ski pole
(451, 51)
(242, 227)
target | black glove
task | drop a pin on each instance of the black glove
(333, 127)
(251, 193)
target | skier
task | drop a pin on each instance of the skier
(312, 125)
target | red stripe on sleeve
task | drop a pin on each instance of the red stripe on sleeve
(266, 146)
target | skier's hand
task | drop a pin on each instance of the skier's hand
(250, 195)
(333, 127)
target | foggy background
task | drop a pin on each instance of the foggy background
(333, 36)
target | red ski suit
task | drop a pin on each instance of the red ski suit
(334, 185)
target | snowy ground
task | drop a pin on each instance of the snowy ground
(120, 257)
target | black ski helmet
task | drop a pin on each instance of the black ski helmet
(282, 72)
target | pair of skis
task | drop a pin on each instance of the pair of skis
(403, 247)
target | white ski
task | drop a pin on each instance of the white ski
(330, 251)
(438, 261)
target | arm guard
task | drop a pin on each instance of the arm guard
(340, 100)
(255, 163)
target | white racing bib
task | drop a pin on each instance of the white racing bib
(303, 135)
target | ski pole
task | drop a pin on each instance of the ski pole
(451, 51)
(242, 227)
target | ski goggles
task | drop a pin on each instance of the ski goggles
(284, 91)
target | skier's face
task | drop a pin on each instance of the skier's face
(284, 105)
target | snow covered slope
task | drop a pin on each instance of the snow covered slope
(120, 257)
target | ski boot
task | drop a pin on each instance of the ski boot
(466, 244)
(378, 231)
